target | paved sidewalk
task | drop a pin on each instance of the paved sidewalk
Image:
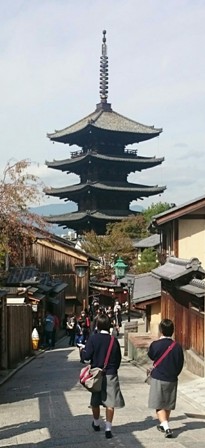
(44, 406)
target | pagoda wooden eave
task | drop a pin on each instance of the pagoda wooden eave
(136, 163)
(107, 124)
(123, 188)
(94, 216)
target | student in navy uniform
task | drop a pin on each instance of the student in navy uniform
(110, 395)
(164, 377)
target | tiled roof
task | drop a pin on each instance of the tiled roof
(146, 287)
(143, 190)
(195, 287)
(80, 216)
(133, 160)
(106, 120)
(25, 276)
(175, 268)
(192, 289)
(29, 276)
(150, 241)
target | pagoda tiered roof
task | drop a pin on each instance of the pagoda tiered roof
(108, 124)
(132, 190)
(79, 159)
(103, 156)
(90, 219)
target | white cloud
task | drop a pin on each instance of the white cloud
(49, 79)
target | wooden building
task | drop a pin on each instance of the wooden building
(146, 298)
(182, 230)
(182, 301)
(58, 270)
(62, 260)
(3, 330)
(103, 164)
(15, 330)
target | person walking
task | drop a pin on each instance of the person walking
(71, 328)
(49, 325)
(118, 317)
(55, 328)
(168, 363)
(110, 396)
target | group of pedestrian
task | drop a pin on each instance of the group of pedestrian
(167, 357)
(78, 329)
(113, 312)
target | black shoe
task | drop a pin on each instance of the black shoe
(160, 428)
(168, 434)
(108, 434)
(96, 427)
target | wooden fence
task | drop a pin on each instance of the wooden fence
(19, 329)
(196, 331)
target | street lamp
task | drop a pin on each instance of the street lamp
(130, 284)
(120, 268)
(81, 271)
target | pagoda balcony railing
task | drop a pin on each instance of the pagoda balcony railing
(76, 154)
(127, 152)
(132, 152)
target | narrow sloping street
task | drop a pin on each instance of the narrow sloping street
(44, 406)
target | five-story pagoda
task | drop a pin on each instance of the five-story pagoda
(103, 163)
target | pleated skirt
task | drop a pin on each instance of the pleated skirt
(110, 395)
(162, 395)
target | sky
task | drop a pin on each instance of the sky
(49, 77)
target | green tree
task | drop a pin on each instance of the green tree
(155, 209)
(118, 239)
(132, 227)
(148, 261)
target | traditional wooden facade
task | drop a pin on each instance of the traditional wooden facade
(60, 258)
(15, 331)
(182, 230)
(3, 330)
(54, 269)
(182, 301)
(103, 164)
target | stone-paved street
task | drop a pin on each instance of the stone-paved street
(44, 406)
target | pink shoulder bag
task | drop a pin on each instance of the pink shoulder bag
(149, 371)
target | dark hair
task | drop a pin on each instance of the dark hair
(103, 322)
(166, 327)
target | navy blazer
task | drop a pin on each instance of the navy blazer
(171, 366)
(96, 349)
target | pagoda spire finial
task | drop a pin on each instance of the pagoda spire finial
(104, 71)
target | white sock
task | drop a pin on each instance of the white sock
(108, 426)
(96, 422)
(165, 425)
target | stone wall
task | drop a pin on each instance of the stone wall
(138, 346)
(194, 363)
